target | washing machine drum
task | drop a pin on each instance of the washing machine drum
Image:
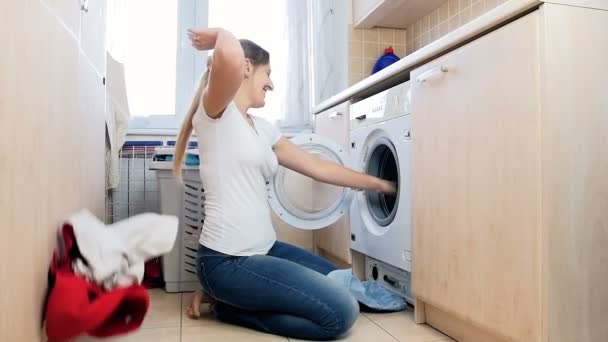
(382, 162)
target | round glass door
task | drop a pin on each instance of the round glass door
(303, 202)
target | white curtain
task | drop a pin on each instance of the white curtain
(117, 105)
(296, 98)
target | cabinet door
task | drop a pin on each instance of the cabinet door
(575, 169)
(335, 239)
(476, 186)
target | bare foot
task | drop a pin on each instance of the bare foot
(199, 297)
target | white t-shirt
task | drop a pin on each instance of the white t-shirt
(236, 160)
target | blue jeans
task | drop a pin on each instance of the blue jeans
(285, 292)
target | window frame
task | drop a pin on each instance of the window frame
(189, 64)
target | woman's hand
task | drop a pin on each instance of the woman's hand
(295, 158)
(203, 39)
(387, 187)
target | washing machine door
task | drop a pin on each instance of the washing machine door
(303, 202)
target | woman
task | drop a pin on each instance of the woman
(249, 277)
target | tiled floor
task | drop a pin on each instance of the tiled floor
(167, 322)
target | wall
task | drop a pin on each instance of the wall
(367, 45)
(51, 147)
(445, 19)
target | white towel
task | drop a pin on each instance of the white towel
(117, 118)
(115, 254)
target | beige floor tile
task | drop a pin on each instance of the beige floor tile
(365, 330)
(401, 325)
(225, 332)
(165, 310)
(206, 316)
(143, 335)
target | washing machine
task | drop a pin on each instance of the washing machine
(381, 225)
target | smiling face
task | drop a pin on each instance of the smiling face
(257, 78)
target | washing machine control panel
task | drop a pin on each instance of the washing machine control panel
(387, 104)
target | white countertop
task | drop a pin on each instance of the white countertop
(493, 18)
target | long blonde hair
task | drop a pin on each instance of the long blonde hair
(186, 130)
(256, 54)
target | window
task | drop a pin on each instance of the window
(280, 27)
(161, 68)
(147, 37)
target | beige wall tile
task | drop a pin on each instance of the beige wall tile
(444, 12)
(370, 50)
(353, 78)
(356, 49)
(464, 4)
(425, 38)
(477, 9)
(444, 28)
(434, 18)
(465, 16)
(425, 25)
(368, 65)
(454, 23)
(356, 35)
(386, 36)
(400, 50)
(401, 36)
(409, 49)
(490, 4)
(356, 64)
(370, 35)
(417, 44)
(434, 34)
(454, 7)
(417, 30)
(410, 34)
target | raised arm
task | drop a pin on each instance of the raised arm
(294, 158)
(226, 71)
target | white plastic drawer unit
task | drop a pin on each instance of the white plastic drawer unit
(187, 202)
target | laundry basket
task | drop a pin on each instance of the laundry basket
(187, 202)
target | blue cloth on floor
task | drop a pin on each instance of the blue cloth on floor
(369, 292)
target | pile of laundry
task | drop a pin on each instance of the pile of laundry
(96, 273)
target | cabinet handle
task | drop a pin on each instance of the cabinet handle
(361, 117)
(334, 115)
(425, 76)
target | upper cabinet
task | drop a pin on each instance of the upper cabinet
(390, 13)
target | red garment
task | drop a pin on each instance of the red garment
(76, 306)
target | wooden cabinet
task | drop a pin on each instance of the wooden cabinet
(476, 182)
(334, 241)
(575, 173)
(510, 158)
